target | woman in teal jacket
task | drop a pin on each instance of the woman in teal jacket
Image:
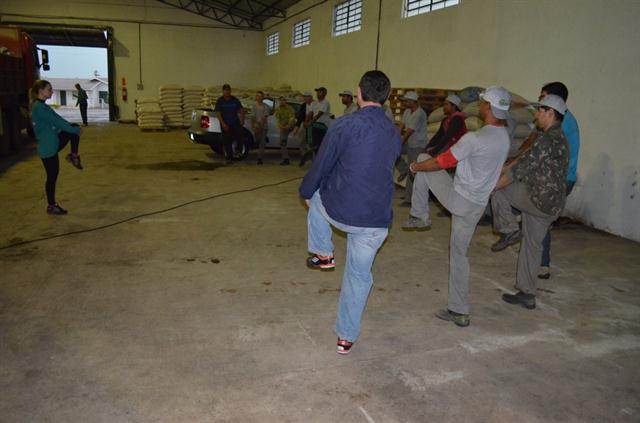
(53, 133)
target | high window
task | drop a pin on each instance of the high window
(347, 17)
(273, 43)
(416, 7)
(302, 33)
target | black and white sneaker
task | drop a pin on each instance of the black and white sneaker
(322, 263)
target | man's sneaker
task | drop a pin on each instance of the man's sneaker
(74, 160)
(55, 209)
(344, 346)
(461, 320)
(285, 162)
(545, 272)
(506, 240)
(527, 301)
(322, 263)
(228, 161)
(259, 161)
(416, 224)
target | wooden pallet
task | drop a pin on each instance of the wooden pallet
(160, 129)
(428, 98)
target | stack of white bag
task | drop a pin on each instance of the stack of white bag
(191, 99)
(149, 114)
(210, 96)
(171, 104)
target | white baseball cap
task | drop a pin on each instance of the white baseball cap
(346, 92)
(454, 99)
(553, 101)
(410, 95)
(307, 94)
(499, 99)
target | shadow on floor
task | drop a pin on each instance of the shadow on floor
(183, 165)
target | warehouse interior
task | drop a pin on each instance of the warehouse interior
(176, 290)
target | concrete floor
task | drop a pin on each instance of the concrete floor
(207, 313)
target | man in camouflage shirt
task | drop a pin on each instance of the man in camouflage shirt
(535, 184)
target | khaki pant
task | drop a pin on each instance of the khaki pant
(465, 215)
(535, 225)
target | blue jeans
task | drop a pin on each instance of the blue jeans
(362, 246)
(546, 242)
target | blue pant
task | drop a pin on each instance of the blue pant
(362, 246)
(546, 242)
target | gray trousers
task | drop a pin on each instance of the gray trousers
(260, 138)
(535, 225)
(284, 135)
(403, 168)
(465, 215)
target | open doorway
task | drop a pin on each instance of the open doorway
(86, 66)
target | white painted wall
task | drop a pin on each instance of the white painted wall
(170, 54)
(593, 46)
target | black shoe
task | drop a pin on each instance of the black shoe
(228, 161)
(485, 220)
(56, 209)
(506, 240)
(285, 162)
(74, 160)
(527, 301)
(304, 158)
(259, 161)
(461, 320)
(545, 272)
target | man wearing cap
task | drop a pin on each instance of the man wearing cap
(535, 184)
(320, 121)
(451, 130)
(303, 121)
(414, 136)
(479, 157)
(347, 99)
(230, 113)
(350, 187)
(572, 133)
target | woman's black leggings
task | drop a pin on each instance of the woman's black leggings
(52, 164)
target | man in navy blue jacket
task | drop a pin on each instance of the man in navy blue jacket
(350, 186)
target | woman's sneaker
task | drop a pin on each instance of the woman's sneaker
(74, 160)
(55, 209)
(344, 346)
(320, 262)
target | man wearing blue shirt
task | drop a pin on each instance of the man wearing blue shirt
(230, 113)
(350, 187)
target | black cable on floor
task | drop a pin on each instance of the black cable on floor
(98, 228)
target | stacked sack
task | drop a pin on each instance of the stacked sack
(150, 115)
(210, 96)
(171, 104)
(192, 98)
(523, 117)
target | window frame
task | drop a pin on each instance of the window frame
(304, 41)
(270, 44)
(427, 7)
(350, 24)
